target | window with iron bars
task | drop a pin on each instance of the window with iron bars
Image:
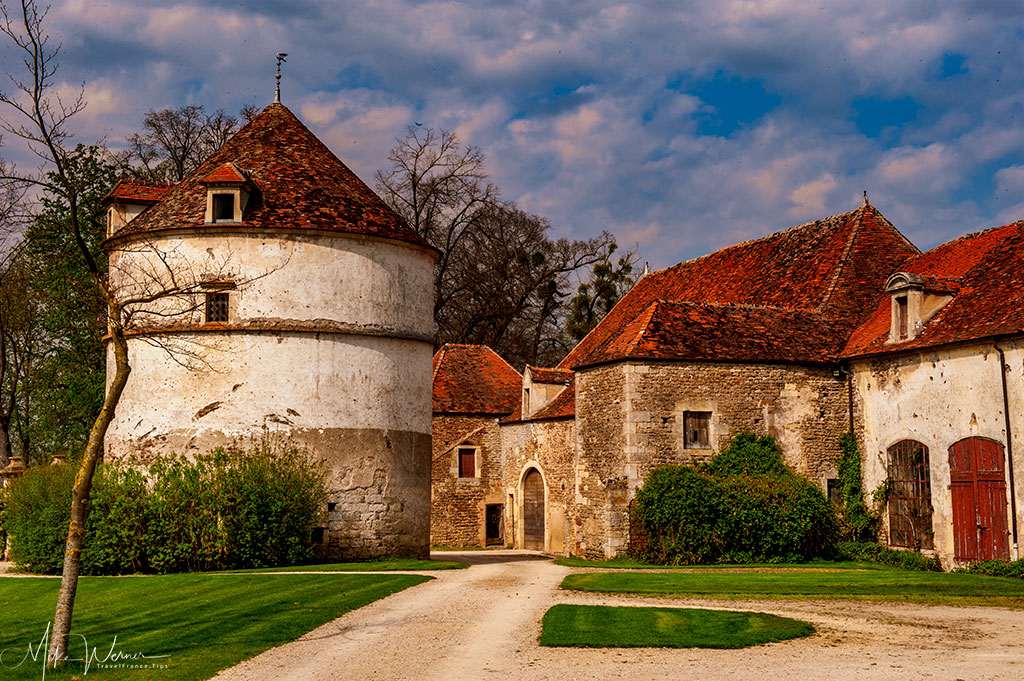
(216, 307)
(909, 496)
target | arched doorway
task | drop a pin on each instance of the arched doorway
(978, 485)
(533, 510)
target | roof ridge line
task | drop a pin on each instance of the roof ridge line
(440, 360)
(758, 239)
(858, 219)
(649, 312)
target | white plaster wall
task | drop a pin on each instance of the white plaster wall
(939, 398)
(298, 277)
(286, 381)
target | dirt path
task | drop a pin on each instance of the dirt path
(482, 623)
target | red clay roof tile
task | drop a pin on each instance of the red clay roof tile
(134, 191)
(299, 184)
(834, 267)
(545, 375)
(227, 173)
(473, 379)
(984, 271)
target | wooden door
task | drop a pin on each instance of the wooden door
(533, 510)
(978, 487)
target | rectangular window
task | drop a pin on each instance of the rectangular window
(697, 429)
(223, 207)
(467, 462)
(216, 307)
(903, 312)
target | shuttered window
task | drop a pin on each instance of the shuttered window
(467, 462)
(697, 429)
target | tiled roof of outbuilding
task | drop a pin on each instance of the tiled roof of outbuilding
(299, 184)
(984, 271)
(562, 407)
(545, 375)
(473, 379)
(824, 274)
(134, 191)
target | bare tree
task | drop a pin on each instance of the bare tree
(439, 187)
(173, 142)
(500, 280)
(160, 285)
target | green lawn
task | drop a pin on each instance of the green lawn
(382, 565)
(876, 584)
(203, 622)
(598, 626)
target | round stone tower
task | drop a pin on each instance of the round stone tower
(277, 291)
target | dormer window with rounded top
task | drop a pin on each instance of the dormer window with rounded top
(227, 192)
(915, 300)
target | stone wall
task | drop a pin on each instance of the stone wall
(549, 446)
(630, 420)
(457, 505)
(938, 398)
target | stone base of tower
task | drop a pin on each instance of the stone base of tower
(378, 483)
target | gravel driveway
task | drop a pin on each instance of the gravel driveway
(482, 623)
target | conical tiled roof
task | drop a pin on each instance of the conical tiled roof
(299, 184)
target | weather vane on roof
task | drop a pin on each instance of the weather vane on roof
(277, 90)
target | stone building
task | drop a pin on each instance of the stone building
(291, 298)
(797, 335)
(938, 378)
(473, 388)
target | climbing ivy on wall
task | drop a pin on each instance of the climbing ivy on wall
(857, 522)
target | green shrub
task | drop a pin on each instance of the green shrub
(228, 509)
(996, 568)
(776, 517)
(677, 514)
(749, 454)
(37, 514)
(749, 507)
(876, 553)
(271, 502)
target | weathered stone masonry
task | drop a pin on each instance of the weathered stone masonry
(630, 421)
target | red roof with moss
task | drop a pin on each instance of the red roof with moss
(793, 296)
(473, 379)
(134, 191)
(298, 184)
(984, 272)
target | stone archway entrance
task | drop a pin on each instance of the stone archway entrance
(533, 510)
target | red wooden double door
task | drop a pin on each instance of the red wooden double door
(978, 486)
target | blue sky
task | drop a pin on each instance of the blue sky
(678, 126)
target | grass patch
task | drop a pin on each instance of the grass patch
(627, 563)
(599, 626)
(381, 565)
(204, 622)
(885, 584)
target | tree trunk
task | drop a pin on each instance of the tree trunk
(80, 495)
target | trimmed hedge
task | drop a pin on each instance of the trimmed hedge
(229, 509)
(745, 506)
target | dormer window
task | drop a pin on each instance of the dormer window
(903, 316)
(227, 192)
(915, 300)
(223, 207)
